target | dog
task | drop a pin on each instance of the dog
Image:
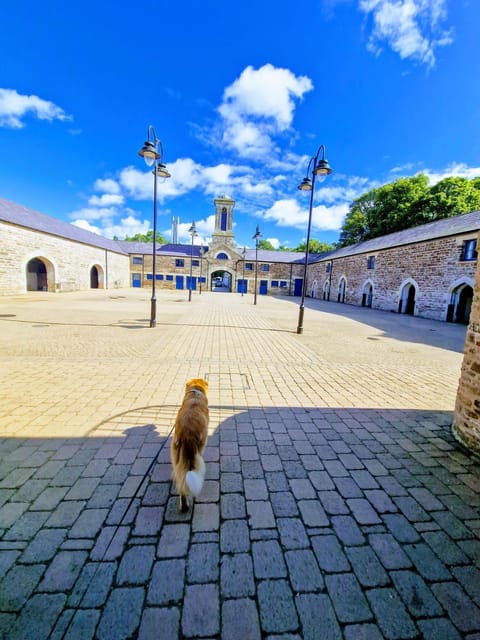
(189, 439)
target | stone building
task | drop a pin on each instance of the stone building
(466, 424)
(425, 271)
(40, 253)
(185, 266)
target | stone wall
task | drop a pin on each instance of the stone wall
(68, 263)
(466, 424)
(433, 267)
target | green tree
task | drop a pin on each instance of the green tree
(266, 244)
(315, 246)
(146, 237)
(449, 197)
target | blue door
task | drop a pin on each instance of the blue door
(263, 287)
(298, 287)
(241, 286)
(136, 279)
(193, 283)
(178, 282)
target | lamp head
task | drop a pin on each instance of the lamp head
(306, 184)
(149, 153)
(193, 230)
(322, 168)
(162, 171)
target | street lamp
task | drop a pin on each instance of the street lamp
(256, 237)
(149, 152)
(193, 232)
(320, 167)
(202, 253)
(244, 253)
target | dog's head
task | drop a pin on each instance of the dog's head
(197, 383)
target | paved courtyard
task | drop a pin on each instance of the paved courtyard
(336, 506)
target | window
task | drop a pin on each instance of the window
(283, 283)
(264, 267)
(149, 276)
(223, 219)
(328, 267)
(274, 283)
(249, 266)
(137, 260)
(158, 276)
(371, 262)
(169, 277)
(179, 262)
(222, 256)
(469, 250)
(195, 263)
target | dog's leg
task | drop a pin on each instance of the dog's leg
(183, 503)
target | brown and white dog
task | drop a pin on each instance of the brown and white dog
(189, 440)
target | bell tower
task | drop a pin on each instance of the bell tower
(223, 232)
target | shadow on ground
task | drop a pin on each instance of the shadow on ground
(325, 523)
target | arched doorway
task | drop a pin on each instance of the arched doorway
(326, 290)
(94, 278)
(37, 275)
(341, 290)
(460, 304)
(406, 304)
(315, 289)
(367, 295)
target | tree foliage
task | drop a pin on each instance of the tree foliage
(146, 237)
(315, 246)
(406, 203)
(265, 244)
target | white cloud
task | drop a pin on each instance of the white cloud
(289, 213)
(410, 27)
(84, 224)
(455, 170)
(106, 200)
(14, 107)
(107, 186)
(259, 104)
(275, 242)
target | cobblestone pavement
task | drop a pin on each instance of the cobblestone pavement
(336, 505)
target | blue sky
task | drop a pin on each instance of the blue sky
(241, 96)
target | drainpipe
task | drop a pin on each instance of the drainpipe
(106, 269)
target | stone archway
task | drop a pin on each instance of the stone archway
(40, 275)
(460, 303)
(367, 295)
(406, 303)
(342, 286)
(97, 280)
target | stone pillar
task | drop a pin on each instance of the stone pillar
(466, 422)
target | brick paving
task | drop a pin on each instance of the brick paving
(336, 503)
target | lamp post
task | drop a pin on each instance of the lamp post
(149, 152)
(244, 253)
(320, 167)
(202, 253)
(256, 237)
(193, 232)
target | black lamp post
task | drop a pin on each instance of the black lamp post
(256, 237)
(193, 232)
(244, 253)
(319, 168)
(151, 155)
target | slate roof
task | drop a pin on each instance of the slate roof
(440, 229)
(24, 217)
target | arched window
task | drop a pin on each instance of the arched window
(222, 256)
(223, 220)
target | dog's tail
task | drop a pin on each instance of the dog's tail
(195, 477)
